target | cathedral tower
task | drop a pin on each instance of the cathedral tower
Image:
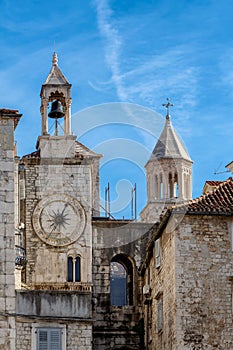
(168, 173)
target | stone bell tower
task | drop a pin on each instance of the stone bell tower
(61, 193)
(168, 173)
(56, 88)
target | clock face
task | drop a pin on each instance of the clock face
(59, 219)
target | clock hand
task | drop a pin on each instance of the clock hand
(64, 209)
(54, 228)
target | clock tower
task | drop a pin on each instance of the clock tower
(59, 195)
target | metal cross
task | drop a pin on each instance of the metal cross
(167, 105)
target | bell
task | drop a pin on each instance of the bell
(56, 110)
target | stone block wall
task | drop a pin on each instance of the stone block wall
(204, 274)
(47, 263)
(7, 229)
(116, 327)
(77, 335)
(161, 281)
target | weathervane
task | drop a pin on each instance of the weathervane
(167, 105)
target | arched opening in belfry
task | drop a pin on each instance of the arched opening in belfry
(176, 187)
(161, 186)
(170, 186)
(121, 281)
(156, 186)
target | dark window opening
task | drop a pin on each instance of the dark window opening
(74, 269)
(121, 281)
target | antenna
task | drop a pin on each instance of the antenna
(107, 201)
(134, 202)
(217, 172)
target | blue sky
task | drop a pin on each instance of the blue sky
(130, 51)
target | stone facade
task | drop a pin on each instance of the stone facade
(117, 327)
(8, 122)
(193, 281)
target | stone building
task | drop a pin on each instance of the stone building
(188, 274)
(71, 279)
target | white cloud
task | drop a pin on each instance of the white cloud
(113, 44)
(151, 77)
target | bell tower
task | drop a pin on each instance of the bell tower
(57, 90)
(168, 173)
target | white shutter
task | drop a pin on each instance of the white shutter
(43, 340)
(49, 339)
(157, 253)
(55, 339)
(160, 314)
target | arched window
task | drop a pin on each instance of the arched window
(74, 269)
(176, 187)
(121, 281)
(161, 187)
(118, 280)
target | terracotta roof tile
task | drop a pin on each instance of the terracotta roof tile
(213, 183)
(35, 154)
(8, 111)
(219, 201)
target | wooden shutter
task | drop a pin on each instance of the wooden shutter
(43, 340)
(160, 314)
(55, 339)
(49, 339)
(157, 253)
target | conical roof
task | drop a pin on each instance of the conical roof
(169, 144)
(55, 76)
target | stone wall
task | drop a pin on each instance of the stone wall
(160, 279)
(77, 335)
(47, 263)
(7, 230)
(194, 282)
(116, 327)
(204, 271)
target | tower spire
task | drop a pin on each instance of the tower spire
(55, 59)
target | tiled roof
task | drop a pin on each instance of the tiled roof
(218, 201)
(35, 154)
(8, 111)
(213, 183)
(55, 77)
(169, 144)
(81, 151)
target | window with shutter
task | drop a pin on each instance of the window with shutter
(157, 253)
(49, 339)
(160, 314)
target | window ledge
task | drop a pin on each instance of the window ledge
(65, 286)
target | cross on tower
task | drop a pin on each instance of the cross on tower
(167, 105)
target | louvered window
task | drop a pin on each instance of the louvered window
(157, 253)
(49, 339)
(160, 314)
